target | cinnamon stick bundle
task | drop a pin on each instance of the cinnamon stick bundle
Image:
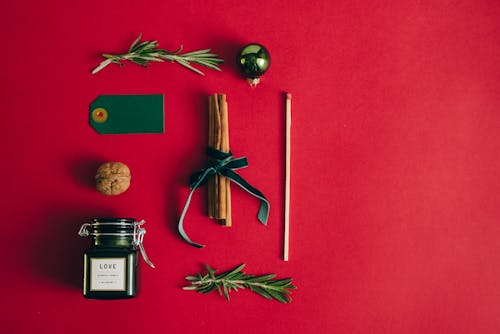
(219, 190)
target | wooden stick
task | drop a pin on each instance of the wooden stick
(288, 123)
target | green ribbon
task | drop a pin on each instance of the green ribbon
(223, 164)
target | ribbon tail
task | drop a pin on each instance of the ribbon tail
(263, 213)
(180, 226)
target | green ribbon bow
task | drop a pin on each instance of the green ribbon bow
(223, 164)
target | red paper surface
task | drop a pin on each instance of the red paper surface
(395, 165)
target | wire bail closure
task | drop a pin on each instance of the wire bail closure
(139, 233)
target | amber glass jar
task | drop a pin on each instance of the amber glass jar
(110, 265)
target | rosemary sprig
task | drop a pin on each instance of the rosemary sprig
(142, 53)
(235, 279)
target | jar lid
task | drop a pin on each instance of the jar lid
(108, 220)
(109, 227)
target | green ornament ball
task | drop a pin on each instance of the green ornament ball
(254, 60)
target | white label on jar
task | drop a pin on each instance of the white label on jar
(107, 274)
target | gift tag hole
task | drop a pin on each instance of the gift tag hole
(100, 115)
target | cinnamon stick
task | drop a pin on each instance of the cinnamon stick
(211, 143)
(219, 191)
(219, 180)
(224, 147)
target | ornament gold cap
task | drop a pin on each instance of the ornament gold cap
(253, 82)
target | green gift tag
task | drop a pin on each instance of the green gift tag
(112, 114)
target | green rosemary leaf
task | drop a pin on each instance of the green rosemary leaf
(281, 282)
(260, 291)
(239, 276)
(206, 288)
(187, 65)
(208, 64)
(234, 271)
(278, 296)
(139, 61)
(205, 59)
(211, 272)
(262, 278)
(234, 285)
(209, 55)
(135, 43)
(170, 52)
(192, 53)
(226, 293)
(144, 47)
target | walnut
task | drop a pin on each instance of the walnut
(112, 178)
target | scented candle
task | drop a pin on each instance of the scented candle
(110, 264)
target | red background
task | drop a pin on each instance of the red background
(395, 164)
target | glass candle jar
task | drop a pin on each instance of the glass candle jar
(110, 265)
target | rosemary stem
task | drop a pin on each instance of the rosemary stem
(241, 282)
(142, 53)
(102, 65)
